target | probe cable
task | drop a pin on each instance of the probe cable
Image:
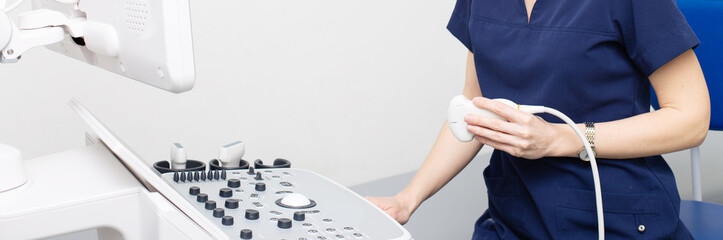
(593, 164)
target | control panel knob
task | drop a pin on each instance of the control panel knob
(202, 197)
(258, 176)
(251, 171)
(234, 183)
(284, 223)
(227, 220)
(260, 187)
(231, 203)
(210, 205)
(194, 190)
(218, 212)
(225, 192)
(252, 214)
(299, 216)
(246, 234)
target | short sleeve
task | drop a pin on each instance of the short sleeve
(458, 23)
(654, 32)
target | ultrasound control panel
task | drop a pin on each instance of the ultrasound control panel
(231, 199)
(282, 203)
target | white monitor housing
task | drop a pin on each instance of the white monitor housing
(146, 40)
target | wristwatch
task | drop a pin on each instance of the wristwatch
(590, 135)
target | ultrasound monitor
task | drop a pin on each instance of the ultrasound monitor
(146, 40)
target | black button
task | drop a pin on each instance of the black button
(176, 177)
(232, 203)
(201, 197)
(234, 183)
(227, 220)
(189, 176)
(195, 176)
(218, 212)
(246, 234)
(260, 187)
(203, 176)
(251, 171)
(225, 192)
(183, 177)
(223, 174)
(299, 216)
(284, 223)
(215, 175)
(258, 176)
(194, 190)
(252, 214)
(210, 204)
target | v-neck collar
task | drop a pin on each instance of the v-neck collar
(531, 12)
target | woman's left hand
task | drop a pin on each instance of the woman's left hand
(522, 135)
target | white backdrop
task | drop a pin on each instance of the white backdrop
(355, 90)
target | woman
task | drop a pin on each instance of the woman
(592, 60)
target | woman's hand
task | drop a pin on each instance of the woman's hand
(394, 206)
(522, 135)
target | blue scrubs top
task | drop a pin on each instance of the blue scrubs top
(589, 59)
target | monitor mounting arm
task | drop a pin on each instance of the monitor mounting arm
(43, 27)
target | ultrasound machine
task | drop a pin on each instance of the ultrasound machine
(107, 187)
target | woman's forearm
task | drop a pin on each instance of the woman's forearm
(446, 159)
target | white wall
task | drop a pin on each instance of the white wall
(354, 90)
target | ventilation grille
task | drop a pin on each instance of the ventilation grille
(137, 15)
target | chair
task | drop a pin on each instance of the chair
(705, 220)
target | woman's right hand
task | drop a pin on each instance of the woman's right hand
(397, 208)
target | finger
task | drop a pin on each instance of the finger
(499, 146)
(492, 123)
(513, 114)
(493, 135)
